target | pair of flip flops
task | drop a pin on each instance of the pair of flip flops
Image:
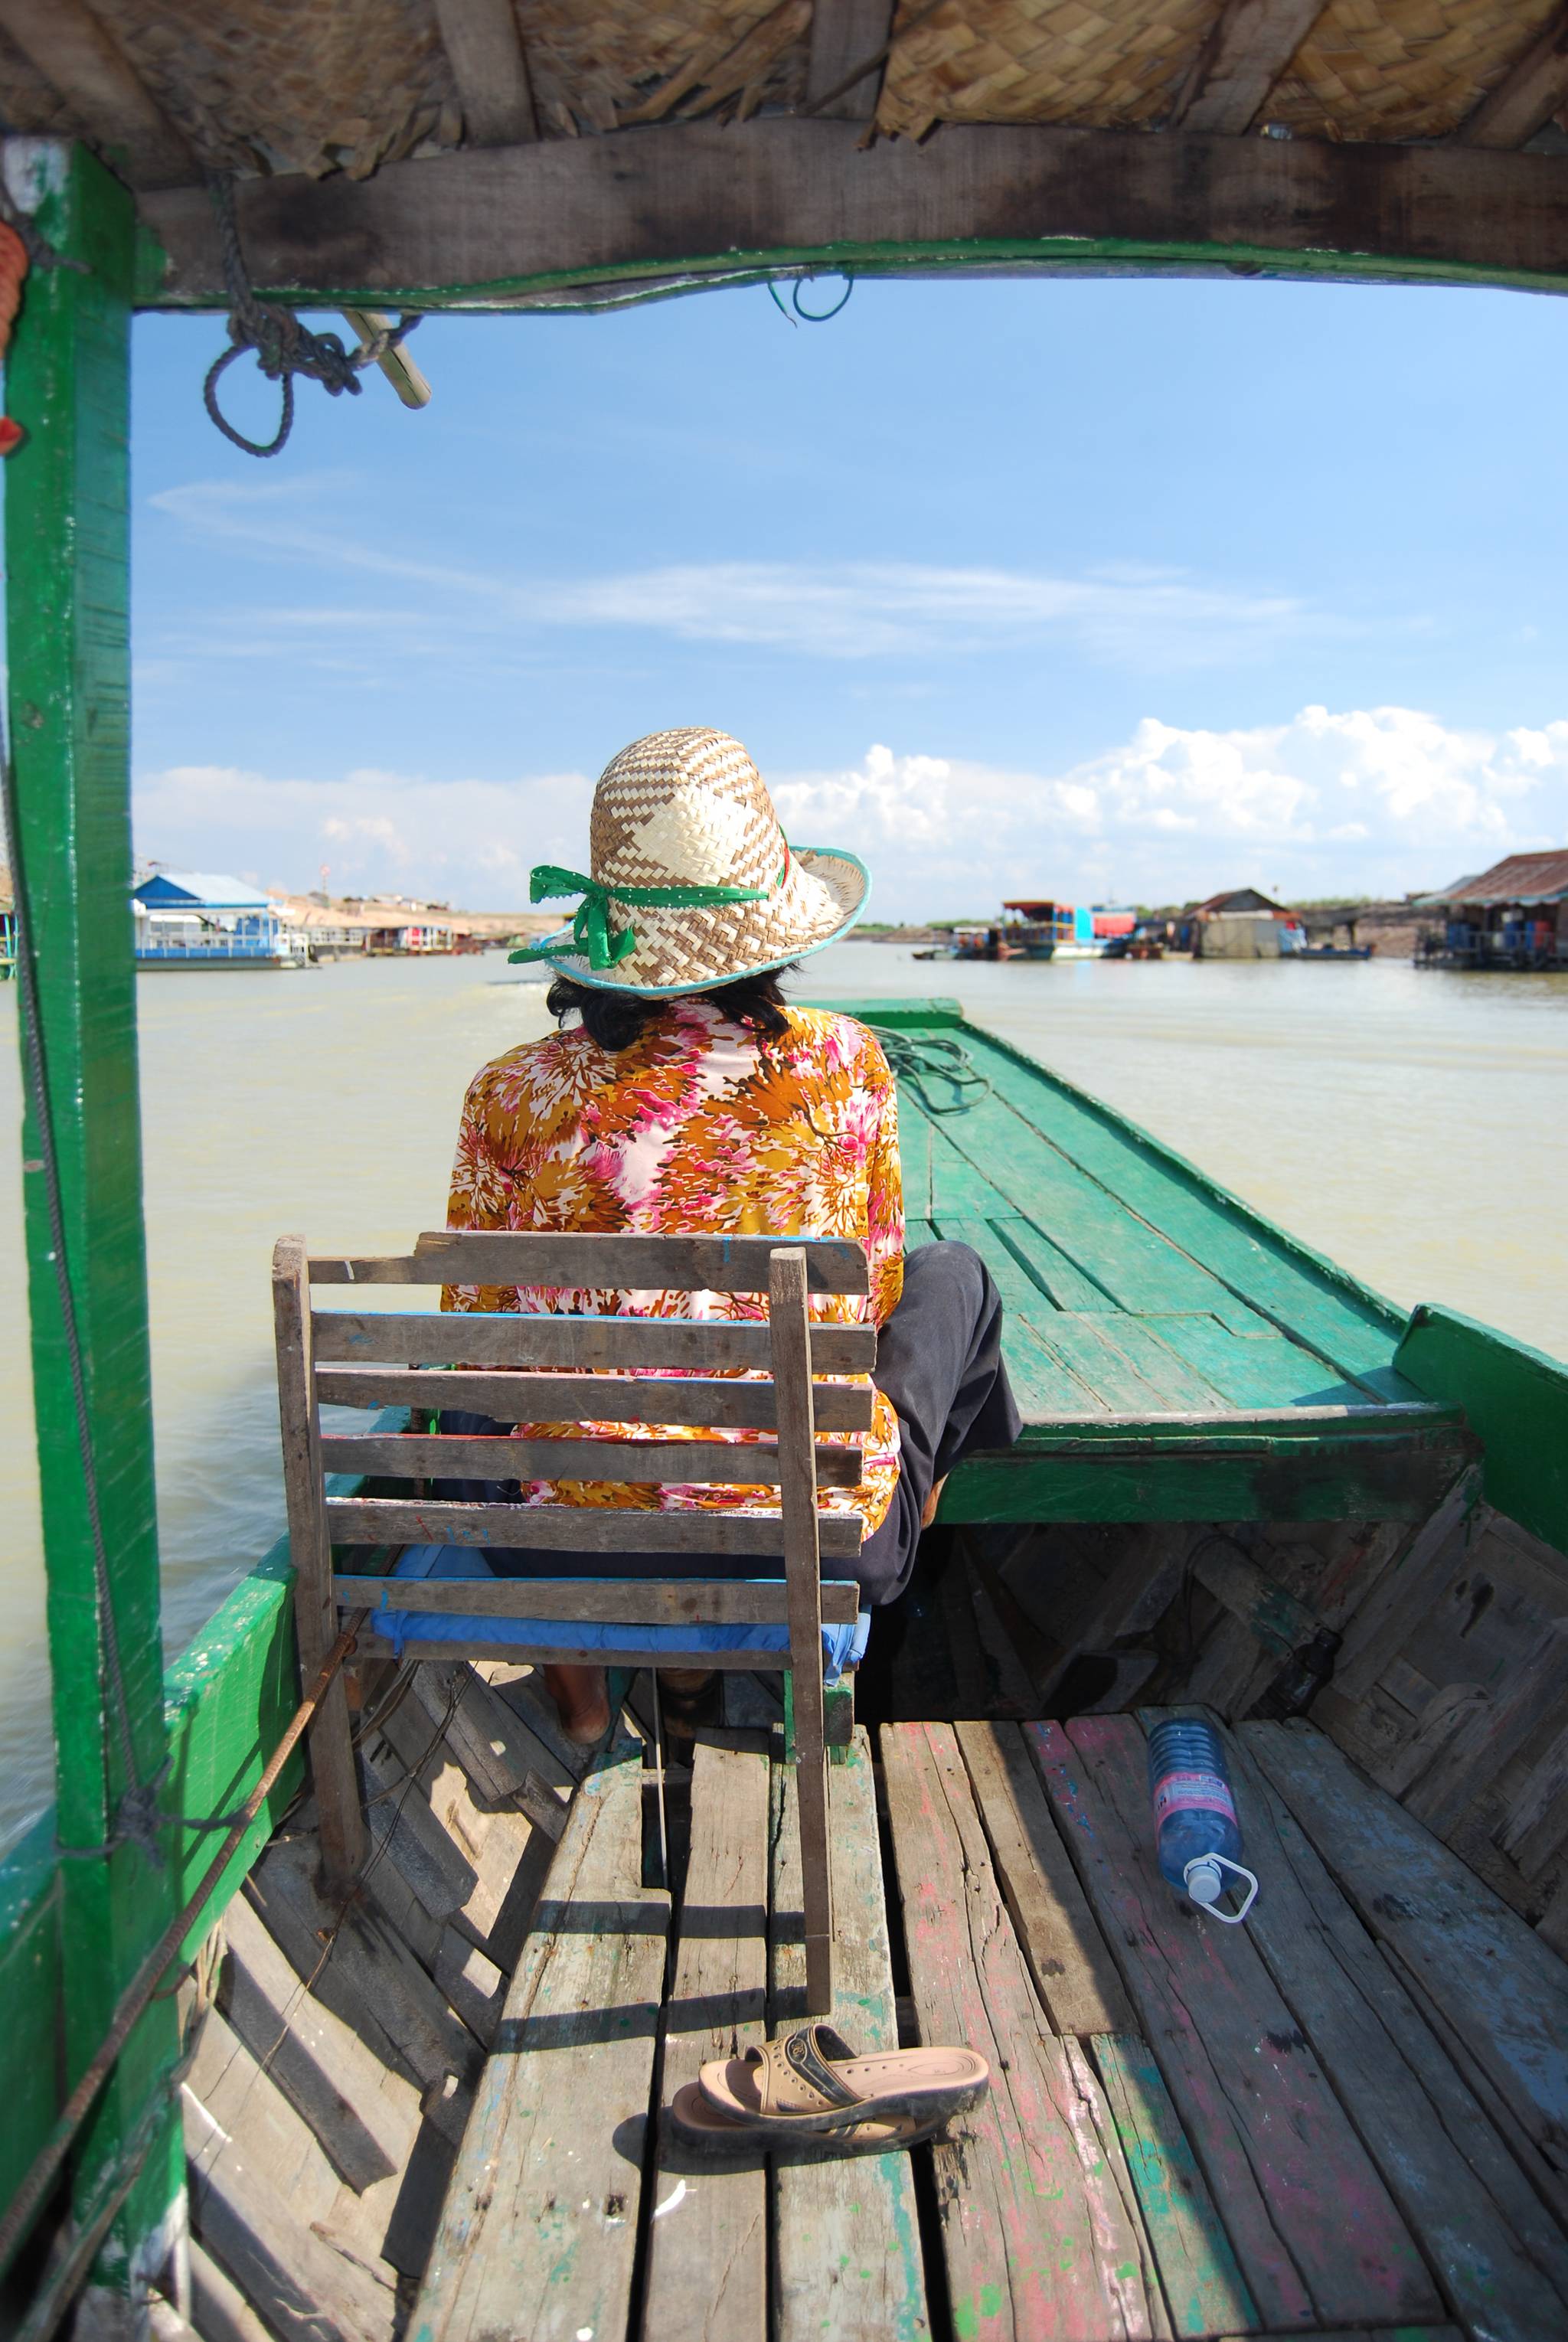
(810, 2089)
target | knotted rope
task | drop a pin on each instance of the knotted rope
(283, 347)
(592, 931)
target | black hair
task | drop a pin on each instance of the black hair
(617, 1020)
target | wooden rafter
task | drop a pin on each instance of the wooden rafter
(691, 196)
(484, 51)
(1526, 98)
(1252, 43)
(843, 32)
(81, 59)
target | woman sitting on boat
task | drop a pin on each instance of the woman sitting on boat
(682, 1095)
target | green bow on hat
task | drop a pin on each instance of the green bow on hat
(591, 930)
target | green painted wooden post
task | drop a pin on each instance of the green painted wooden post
(66, 544)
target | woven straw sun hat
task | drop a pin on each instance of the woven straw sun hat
(693, 882)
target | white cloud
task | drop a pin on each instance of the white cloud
(1374, 800)
(467, 841)
(1122, 612)
(1371, 800)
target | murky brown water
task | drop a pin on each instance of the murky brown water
(1412, 1127)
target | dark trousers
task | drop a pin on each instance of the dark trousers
(939, 1360)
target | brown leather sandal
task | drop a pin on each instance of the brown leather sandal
(811, 2080)
(700, 2129)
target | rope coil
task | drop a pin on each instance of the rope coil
(284, 346)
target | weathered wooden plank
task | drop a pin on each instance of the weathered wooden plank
(573, 1528)
(1439, 1919)
(843, 34)
(485, 54)
(747, 1464)
(259, 2228)
(1464, 2199)
(342, 1841)
(1040, 2224)
(1204, 2287)
(601, 1264)
(674, 197)
(563, 1651)
(1538, 1821)
(365, 2115)
(1530, 93)
(1047, 1388)
(354, 1964)
(540, 2228)
(641, 1602)
(461, 1338)
(1258, 1367)
(1251, 44)
(1268, 1610)
(1286, 2168)
(804, 1550)
(1375, 1631)
(707, 2239)
(1488, 1739)
(220, 2310)
(1074, 1972)
(847, 2236)
(1323, 1477)
(546, 1398)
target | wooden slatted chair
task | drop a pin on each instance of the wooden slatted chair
(527, 1369)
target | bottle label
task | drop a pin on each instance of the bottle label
(1192, 1793)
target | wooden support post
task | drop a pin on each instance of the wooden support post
(66, 529)
(790, 1331)
(340, 1833)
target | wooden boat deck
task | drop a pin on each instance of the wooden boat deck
(1349, 2117)
(1174, 1356)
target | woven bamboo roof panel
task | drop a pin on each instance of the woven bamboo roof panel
(291, 88)
(1118, 65)
(596, 68)
(1397, 69)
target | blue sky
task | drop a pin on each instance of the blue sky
(1121, 588)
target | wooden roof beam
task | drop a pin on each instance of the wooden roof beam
(1527, 98)
(843, 32)
(484, 50)
(81, 59)
(1252, 43)
(694, 197)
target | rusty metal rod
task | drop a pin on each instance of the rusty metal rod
(19, 2216)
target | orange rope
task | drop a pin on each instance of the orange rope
(13, 269)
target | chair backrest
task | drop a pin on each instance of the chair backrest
(529, 1368)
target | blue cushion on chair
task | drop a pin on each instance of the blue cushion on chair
(842, 1646)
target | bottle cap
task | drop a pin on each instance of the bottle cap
(1204, 1884)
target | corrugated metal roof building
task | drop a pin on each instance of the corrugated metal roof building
(1519, 879)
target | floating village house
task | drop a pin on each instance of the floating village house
(197, 919)
(1241, 925)
(1514, 915)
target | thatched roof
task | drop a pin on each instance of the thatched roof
(337, 91)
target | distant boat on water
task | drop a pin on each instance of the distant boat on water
(1038, 927)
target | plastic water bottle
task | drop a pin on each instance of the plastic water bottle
(1197, 1837)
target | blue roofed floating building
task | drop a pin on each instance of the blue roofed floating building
(203, 919)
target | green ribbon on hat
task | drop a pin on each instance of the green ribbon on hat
(591, 929)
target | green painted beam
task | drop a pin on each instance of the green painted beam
(67, 554)
(1353, 1478)
(1516, 1401)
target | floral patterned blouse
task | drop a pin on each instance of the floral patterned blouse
(701, 1128)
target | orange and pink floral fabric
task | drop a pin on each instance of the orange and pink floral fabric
(701, 1127)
